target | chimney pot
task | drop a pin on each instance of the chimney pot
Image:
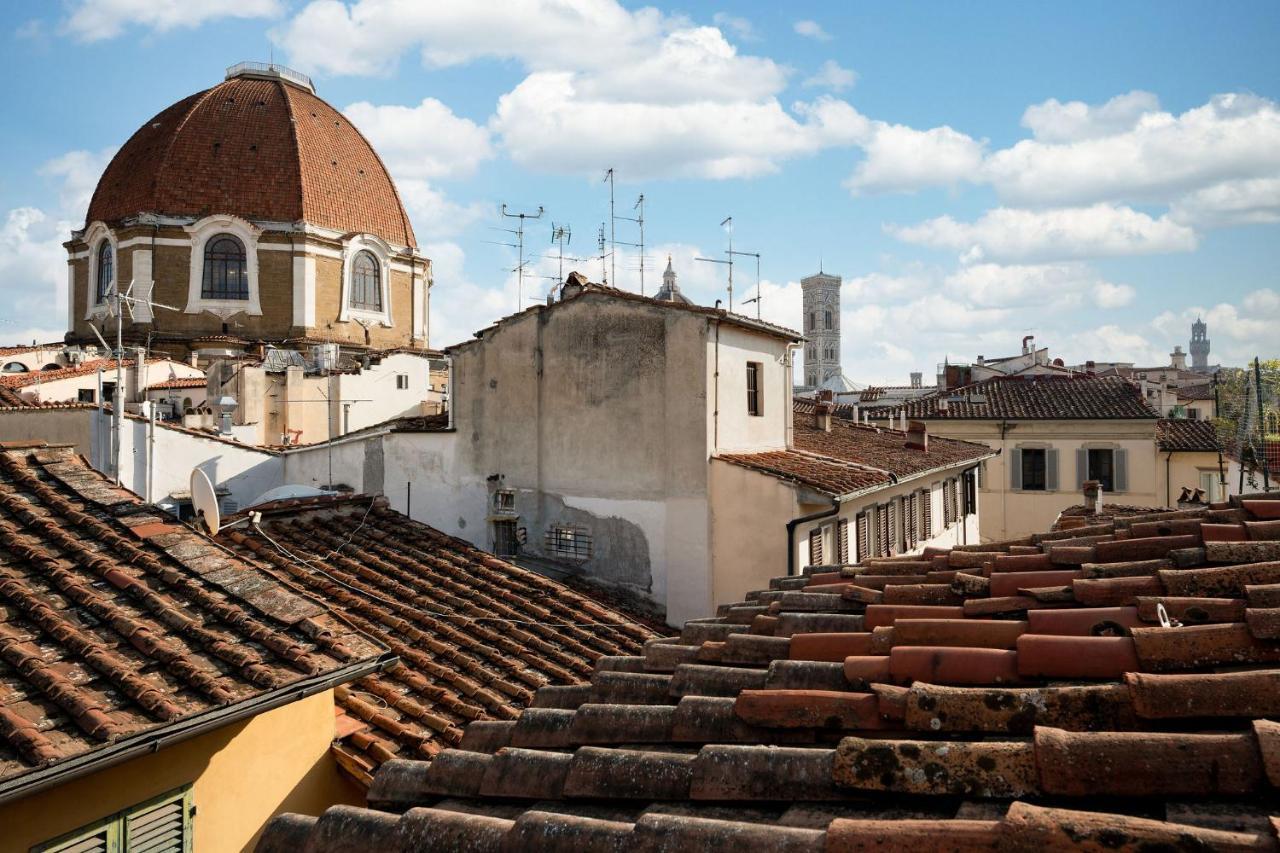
(1092, 496)
(822, 416)
(917, 436)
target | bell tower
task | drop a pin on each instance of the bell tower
(1199, 345)
(821, 296)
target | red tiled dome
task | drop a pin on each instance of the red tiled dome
(260, 147)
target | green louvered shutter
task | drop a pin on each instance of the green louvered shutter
(1121, 475)
(162, 826)
(1051, 470)
(102, 837)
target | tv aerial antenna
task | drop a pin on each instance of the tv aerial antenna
(639, 220)
(204, 501)
(756, 298)
(519, 232)
(600, 243)
(727, 224)
(561, 234)
(613, 244)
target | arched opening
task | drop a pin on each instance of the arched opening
(52, 366)
(15, 367)
(225, 276)
(366, 282)
(106, 270)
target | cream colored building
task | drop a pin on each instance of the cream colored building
(1051, 434)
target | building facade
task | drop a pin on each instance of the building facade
(251, 211)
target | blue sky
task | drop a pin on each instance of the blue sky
(1095, 174)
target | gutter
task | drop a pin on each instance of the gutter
(791, 531)
(146, 743)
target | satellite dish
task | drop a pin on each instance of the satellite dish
(205, 501)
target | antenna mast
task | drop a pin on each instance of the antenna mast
(727, 221)
(519, 232)
(604, 270)
(613, 244)
(756, 299)
(639, 220)
(561, 234)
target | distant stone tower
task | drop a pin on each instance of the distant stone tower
(1199, 345)
(821, 328)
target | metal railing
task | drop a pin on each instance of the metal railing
(270, 69)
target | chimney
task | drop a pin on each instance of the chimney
(1090, 367)
(917, 436)
(1178, 358)
(982, 359)
(822, 416)
(1028, 344)
(1092, 497)
(943, 404)
(902, 420)
(916, 378)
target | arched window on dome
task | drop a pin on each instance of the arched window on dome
(106, 264)
(225, 275)
(366, 282)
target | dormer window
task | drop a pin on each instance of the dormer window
(106, 271)
(225, 272)
(366, 283)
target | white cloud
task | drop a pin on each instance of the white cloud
(1244, 202)
(1161, 157)
(96, 20)
(1009, 234)
(33, 274)
(1237, 332)
(1054, 121)
(426, 141)
(901, 158)
(78, 173)
(831, 76)
(811, 29)
(1108, 295)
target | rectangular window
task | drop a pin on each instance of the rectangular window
(926, 513)
(402, 381)
(86, 395)
(1033, 469)
(1193, 414)
(755, 370)
(815, 546)
(504, 538)
(569, 541)
(910, 516)
(504, 500)
(863, 533)
(895, 535)
(842, 541)
(1102, 467)
(108, 392)
(160, 825)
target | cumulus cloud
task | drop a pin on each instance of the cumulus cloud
(426, 141)
(741, 28)
(97, 20)
(1244, 202)
(1054, 121)
(1010, 234)
(1238, 332)
(1108, 295)
(812, 30)
(1062, 285)
(33, 275)
(901, 158)
(831, 76)
(1161, 157)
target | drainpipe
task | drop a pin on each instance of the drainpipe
(791, 531)
(1168, 461)
(715, 415)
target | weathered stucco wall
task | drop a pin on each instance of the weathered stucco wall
(749, 515)
(732, 427)
(242, 775)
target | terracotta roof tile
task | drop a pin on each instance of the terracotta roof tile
(112, 625)
(968, 715)
(1030, 398)
(476, 635)
(1181, 434)
(832, 476)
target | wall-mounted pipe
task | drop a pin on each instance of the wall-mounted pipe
(791, 532)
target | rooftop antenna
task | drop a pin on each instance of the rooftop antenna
(519, 232)
(756, 300)
(604, 270)
(204, 501)
(613, 245)
(561, 234)
(727, 222)
(639, 220)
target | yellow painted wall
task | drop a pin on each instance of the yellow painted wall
(243, 774)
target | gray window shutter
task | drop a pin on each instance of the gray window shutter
(1121, 463)
(1051, 470)
(1015, 469)
(1082, 467)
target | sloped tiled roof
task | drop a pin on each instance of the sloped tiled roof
(1200, 391)
(834, 477)
(880, 448)
(119, 626)
(1032, 398)
(1182, 434)
(186, 382)
(35, 377)
(476, 635)
(1009, 696)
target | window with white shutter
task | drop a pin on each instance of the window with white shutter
(815, 546)
(910, 518)
(882, 514)
(926, 514)
(842, 541)
(863, 534)
(895, 543)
